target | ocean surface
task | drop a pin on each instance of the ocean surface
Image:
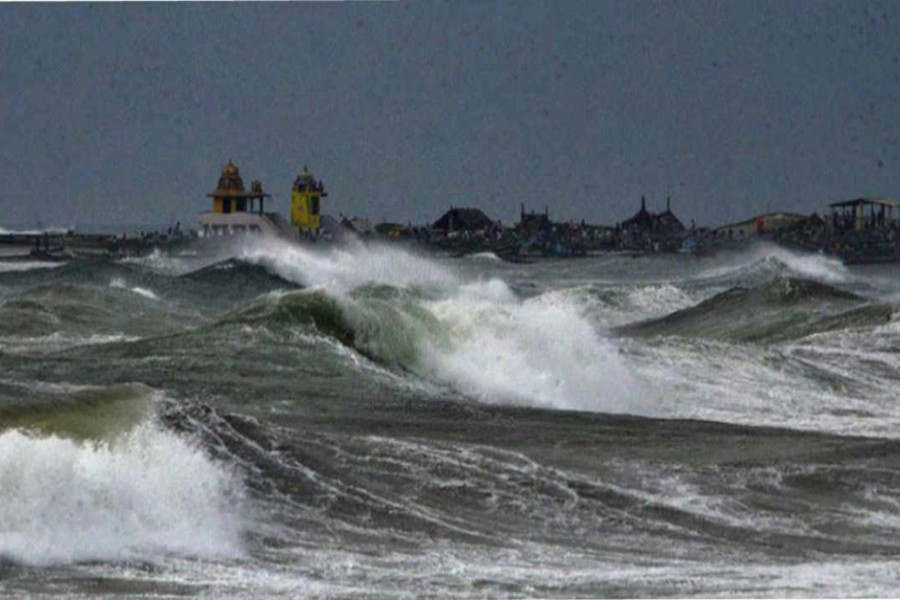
(367, 422)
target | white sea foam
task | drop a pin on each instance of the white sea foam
(119, 283)
(147, 495)
(821, 385)
(29, 265)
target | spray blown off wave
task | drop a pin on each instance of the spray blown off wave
(342, 269)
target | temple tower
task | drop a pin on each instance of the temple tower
(230, 195)
(306, 197)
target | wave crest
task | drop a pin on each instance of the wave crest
(780, 309)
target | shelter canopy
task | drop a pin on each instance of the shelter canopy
(866, 202)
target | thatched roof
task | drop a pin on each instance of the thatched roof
(463, 219)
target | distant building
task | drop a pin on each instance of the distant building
(649, 232)
(666, 222)
(534, 223)
(642, 220)
(761, 224)
(647, 222)
(230, 195)
(851, 214)
(238, 211)
(463, 219)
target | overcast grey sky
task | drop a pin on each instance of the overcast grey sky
(125, 113)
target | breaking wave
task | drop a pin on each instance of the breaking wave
(477, 337)
(124, 489)
(767, 260)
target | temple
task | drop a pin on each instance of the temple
(306, 200)
(237, 211)
(230, 195)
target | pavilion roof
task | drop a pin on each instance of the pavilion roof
(866, 202)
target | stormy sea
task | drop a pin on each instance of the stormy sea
(366, 421)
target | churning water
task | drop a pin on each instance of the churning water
(365, 421)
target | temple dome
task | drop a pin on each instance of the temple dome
(230, 179)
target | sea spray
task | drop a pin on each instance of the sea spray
(150, 493)
(342, 269)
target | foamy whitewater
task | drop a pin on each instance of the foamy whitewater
(270, 419)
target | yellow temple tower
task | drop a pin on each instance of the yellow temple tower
(306, 197)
